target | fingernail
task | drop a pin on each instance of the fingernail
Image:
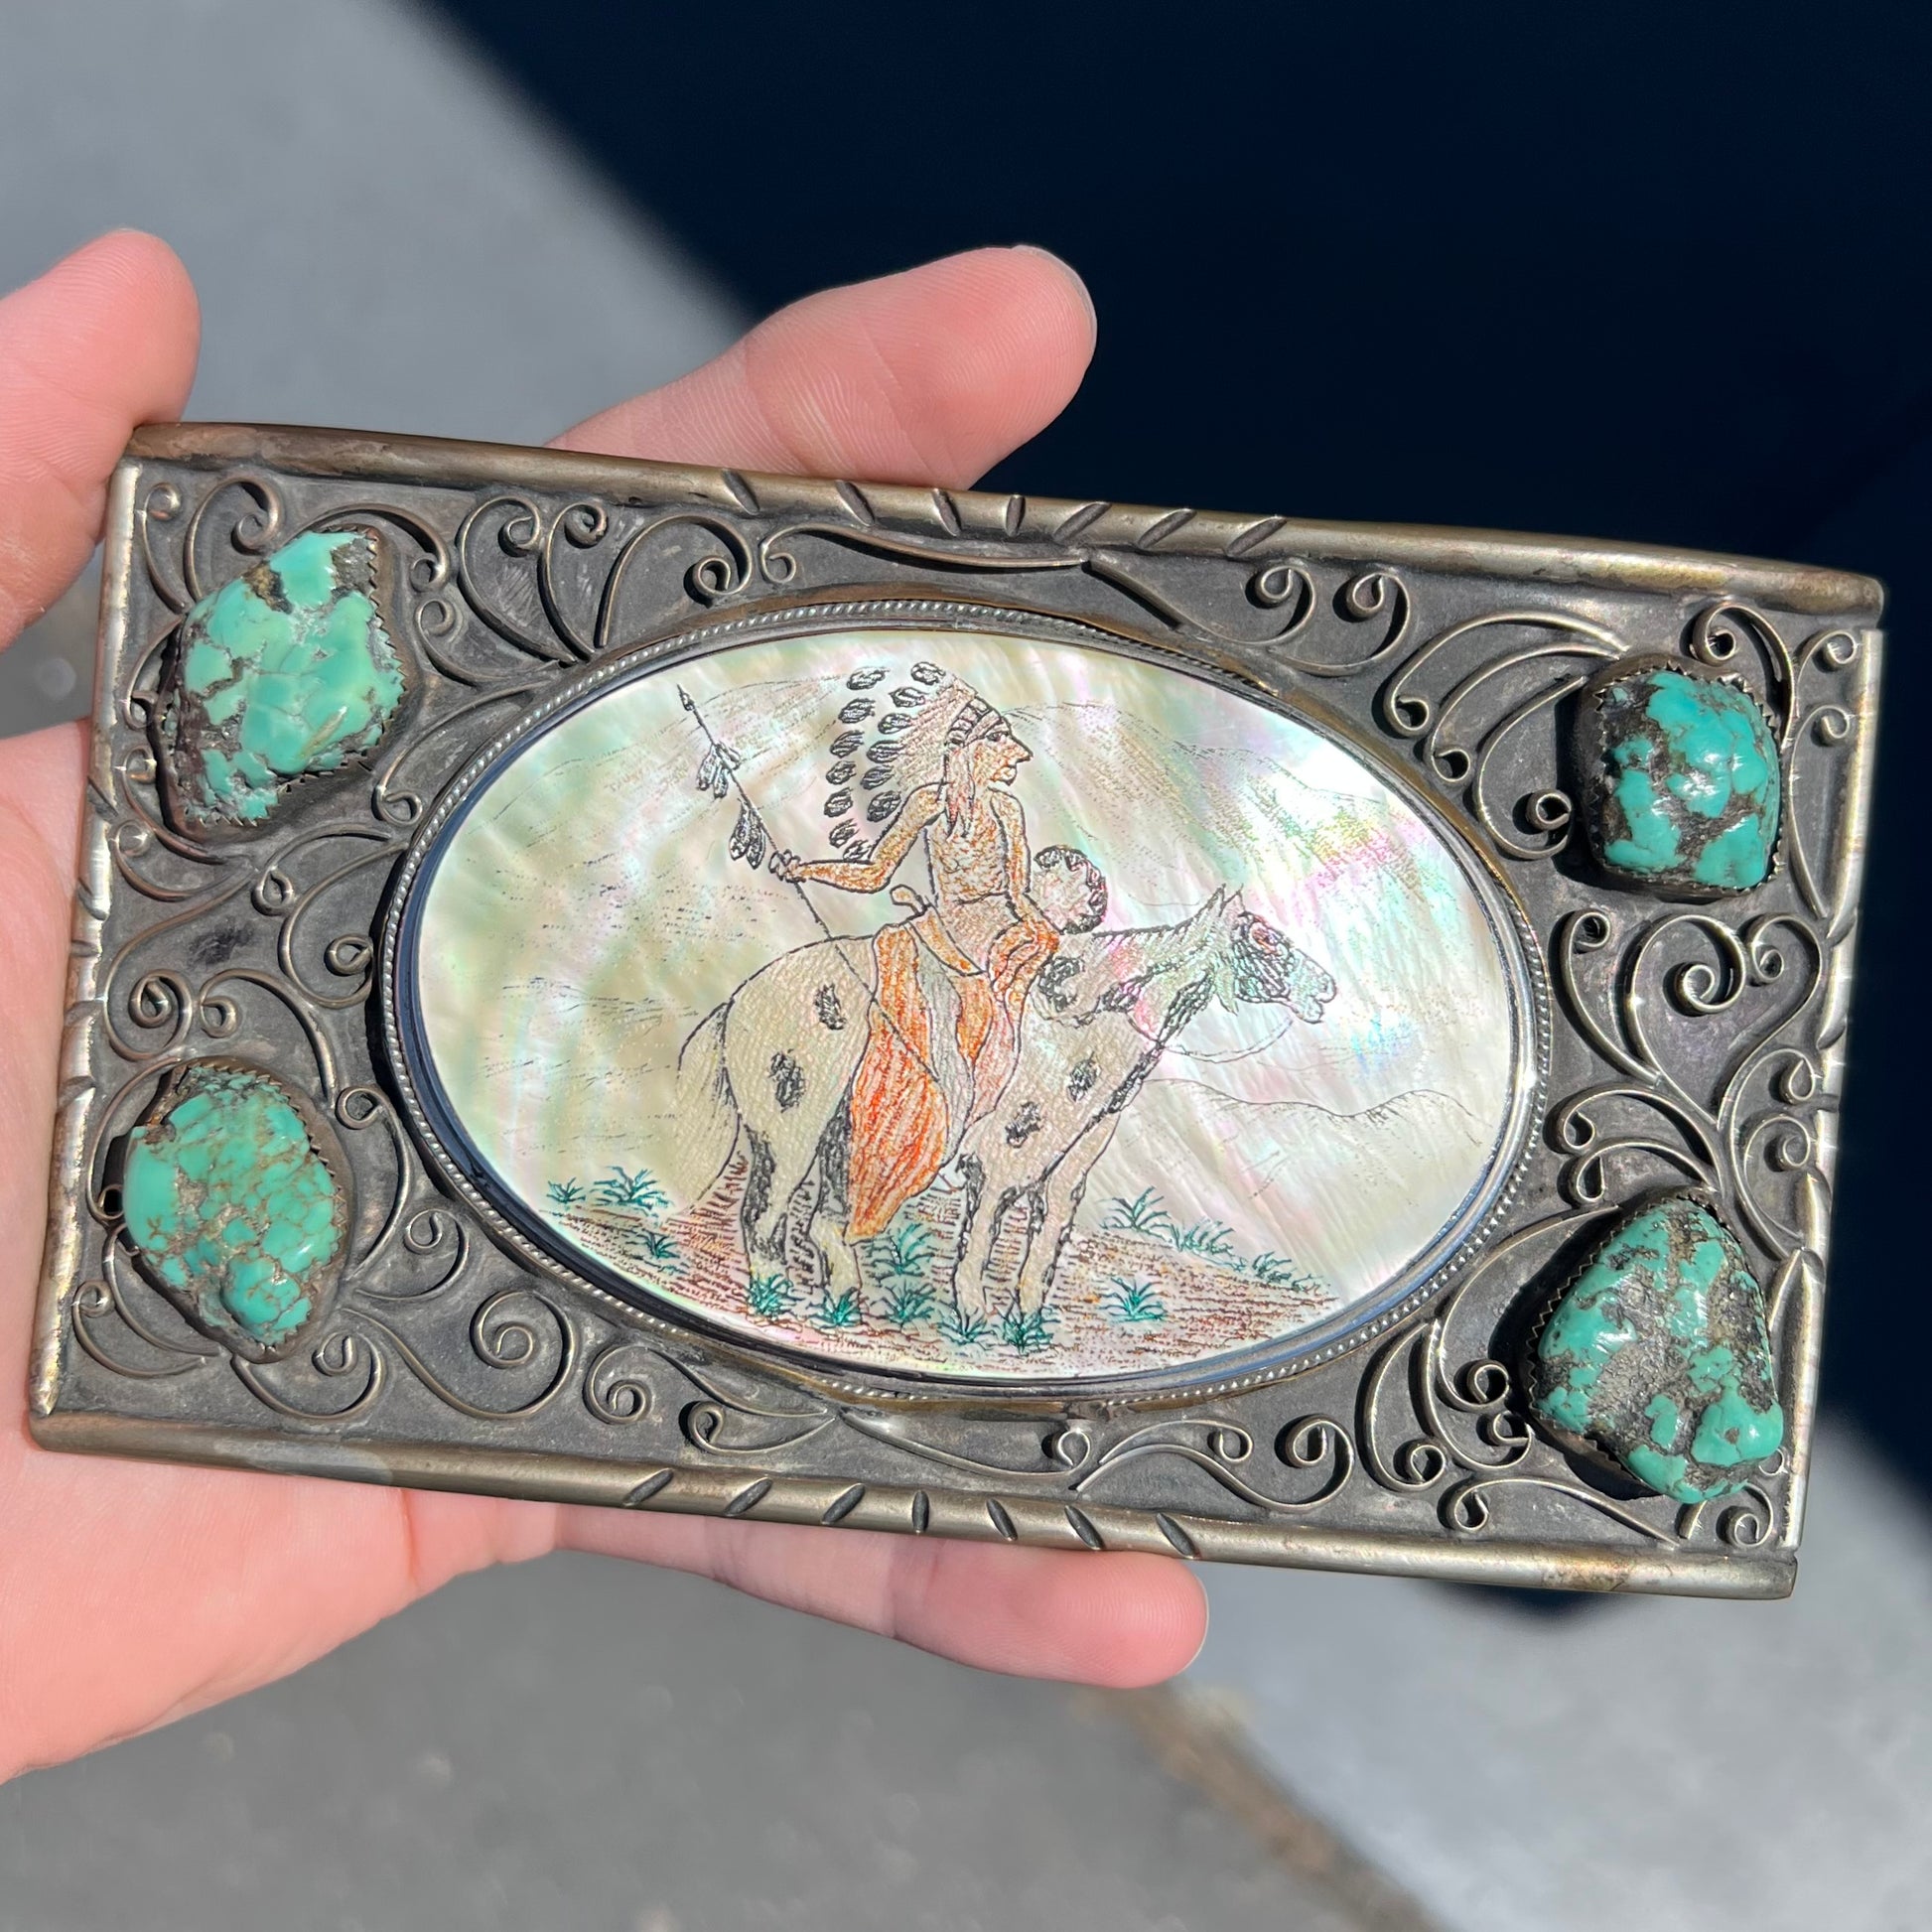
(1206, 1621)
(1067, 269)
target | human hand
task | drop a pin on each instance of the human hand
(132, 1593)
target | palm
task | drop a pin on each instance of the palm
(132, 1592)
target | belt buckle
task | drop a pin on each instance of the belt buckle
(1412, 1152)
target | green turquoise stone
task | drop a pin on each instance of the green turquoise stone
(1687, 787)
(1657, 1355)
(231, 1209)
(286, 672)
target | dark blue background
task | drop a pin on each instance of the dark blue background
(1646, 272)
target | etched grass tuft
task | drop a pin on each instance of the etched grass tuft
(636, 1191)
(1144, 1215)
(769, 1296)
(1133, 1301)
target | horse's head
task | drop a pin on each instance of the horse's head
(1164, 976)
(1259, 966)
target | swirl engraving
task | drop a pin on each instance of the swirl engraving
(1526, 682)
(107, 1298)
(1225, 1450)
(616, 1384)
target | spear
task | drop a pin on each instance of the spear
(728, 763)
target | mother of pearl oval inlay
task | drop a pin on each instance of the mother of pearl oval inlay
(967, 1005)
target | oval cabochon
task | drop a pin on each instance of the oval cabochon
(966, 1004)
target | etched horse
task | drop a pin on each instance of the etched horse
(770, 1074)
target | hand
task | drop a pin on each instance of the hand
(788, 866)
(132, 1592)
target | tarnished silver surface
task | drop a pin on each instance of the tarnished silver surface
(1697, 1044)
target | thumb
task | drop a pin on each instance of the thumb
(103, 340)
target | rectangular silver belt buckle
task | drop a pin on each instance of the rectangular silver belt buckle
(957, 1013)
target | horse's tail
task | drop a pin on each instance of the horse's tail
(707, 1112)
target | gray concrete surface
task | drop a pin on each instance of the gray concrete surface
(382, 234)
(578, 1743)
(1681, 1766)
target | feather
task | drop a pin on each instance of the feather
(858, 710)
(838, 804)
(742, 832)
(864, 680)
(883, 807)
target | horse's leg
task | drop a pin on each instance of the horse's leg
(835, 1257)
(1059, 1202)
(775, 1176)
(818, 1210)
(793, 1036)
(1031, 1212)
(981, 1218)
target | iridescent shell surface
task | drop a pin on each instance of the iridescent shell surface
(957, 1120)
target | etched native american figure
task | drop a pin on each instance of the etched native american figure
(943, 783)
(986, 1044)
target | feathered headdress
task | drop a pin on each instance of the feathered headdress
(887, 747)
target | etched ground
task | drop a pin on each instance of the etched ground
(1123, 1301)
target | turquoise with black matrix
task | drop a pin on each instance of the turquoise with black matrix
(231, 1209)
(1657, 1355)
(1687, 788)
(285, 673)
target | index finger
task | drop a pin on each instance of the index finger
(928, 377)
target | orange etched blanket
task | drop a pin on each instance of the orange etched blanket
(900, 1128)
